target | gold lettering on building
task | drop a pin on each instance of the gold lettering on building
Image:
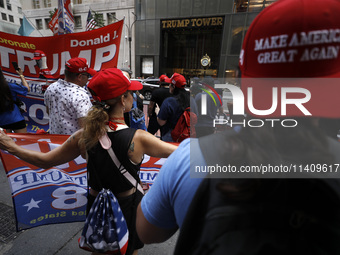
(194, 22)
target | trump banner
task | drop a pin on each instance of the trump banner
(58, 194)
(100, 47)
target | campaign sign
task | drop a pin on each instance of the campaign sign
(58, 194)
(45, 196)
(35, 113)
(149, 169)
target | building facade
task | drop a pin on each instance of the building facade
(11, 16)
(177, 35)
(38, 13)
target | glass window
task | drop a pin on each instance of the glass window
(3, 16)
(240, 6)
(111, 18)
(255, 5)
(36, 4)
(236, 40)
(77, 21)
(2, 5)
(154, 82)
(100, 19)
(251, 5)
(147, 65)
(77, 1)
(237, 32)
(9, 6)
(11, 18)
(19, 10)
(47, 3)
(39, 24)
(47, 20)
(182, 50)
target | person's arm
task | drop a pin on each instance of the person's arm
(149, 233)
(68, 151)
(23, 80)
(163, 113)
(145, 143)
(155, 147)
(140, 95)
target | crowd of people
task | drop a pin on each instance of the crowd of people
(113, 95)
(68, 101)
(293, 215)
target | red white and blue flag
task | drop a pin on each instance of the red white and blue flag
(65, 17)
(57, 194)
(114, 233)
(90, 22)
(45, 196)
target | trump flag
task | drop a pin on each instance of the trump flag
(58, 194)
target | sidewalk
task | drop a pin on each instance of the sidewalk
(56, 239)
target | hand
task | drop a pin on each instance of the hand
(5, 141)
(19, 71)
(140, 95)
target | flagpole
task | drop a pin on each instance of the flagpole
(32, 24)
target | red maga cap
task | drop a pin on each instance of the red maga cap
(111, 83)
(295, 39)
(38, 54)
(178, 80)
(135, 85)
(79, 65)
(164, 78)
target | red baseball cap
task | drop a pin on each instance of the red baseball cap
(178, 80)
(79, 65)
(135, 85)
(294, 39)
(111, 83)
(164, 78)
(38, 54)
